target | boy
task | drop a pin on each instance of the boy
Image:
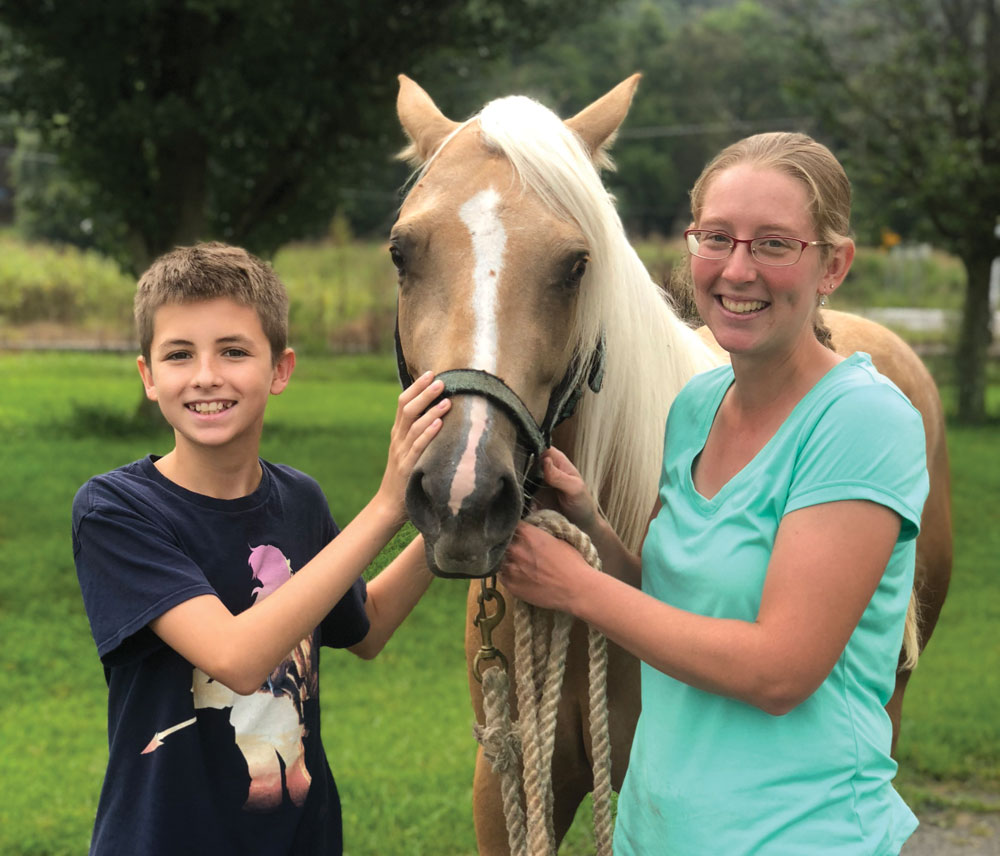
(211, 577)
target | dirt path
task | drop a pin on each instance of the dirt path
(952, 832)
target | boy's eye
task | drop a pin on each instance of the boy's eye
(177, 355)
(234, 352)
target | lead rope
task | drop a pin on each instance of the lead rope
(541, 640)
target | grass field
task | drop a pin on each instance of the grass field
(397, 730)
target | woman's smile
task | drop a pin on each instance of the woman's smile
(741, 306)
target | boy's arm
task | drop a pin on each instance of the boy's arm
(392, 596)
(241, 650)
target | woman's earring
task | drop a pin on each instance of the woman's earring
(822, 300)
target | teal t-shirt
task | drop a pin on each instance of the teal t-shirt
(712, 775)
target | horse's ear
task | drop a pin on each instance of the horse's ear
(425, 125)
(597, 124)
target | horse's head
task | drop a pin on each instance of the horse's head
(494, 254)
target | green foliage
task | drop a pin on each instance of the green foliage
(40, 283)
(237, 121)
(908, 91)
(903, 276)
(342, 295)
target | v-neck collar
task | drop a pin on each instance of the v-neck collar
(710, 505)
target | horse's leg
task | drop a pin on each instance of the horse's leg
(895, 706)
(487, 809)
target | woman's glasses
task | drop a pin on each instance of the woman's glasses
(776, 250)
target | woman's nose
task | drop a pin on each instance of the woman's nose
(740, 266)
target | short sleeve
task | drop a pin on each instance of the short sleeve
(347, 623)
(868, 444)
(130, 573)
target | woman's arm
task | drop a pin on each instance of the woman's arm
(577, 505)
(826, 564)
(242, 650)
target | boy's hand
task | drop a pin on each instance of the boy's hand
(572, 496)
(412, 431)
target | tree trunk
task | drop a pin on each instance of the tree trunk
(975, 337)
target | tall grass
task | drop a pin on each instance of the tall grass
(397, 730)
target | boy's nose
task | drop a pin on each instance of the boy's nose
(207, 374)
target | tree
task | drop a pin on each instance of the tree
(179, 120)
(710, 75)
(912, 89)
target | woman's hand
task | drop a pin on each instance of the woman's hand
(416, 424)
(543, 570)
(573, 499)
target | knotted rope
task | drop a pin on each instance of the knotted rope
(541, 640)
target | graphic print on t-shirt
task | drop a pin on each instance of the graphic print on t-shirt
(268, 724)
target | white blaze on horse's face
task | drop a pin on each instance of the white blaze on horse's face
(489, 239)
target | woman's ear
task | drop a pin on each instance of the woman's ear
(837, 266)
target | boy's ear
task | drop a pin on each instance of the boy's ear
(146, 373)
(282, 371)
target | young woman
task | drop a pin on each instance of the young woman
(769, 601)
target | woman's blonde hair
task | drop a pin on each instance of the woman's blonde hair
(800, 157)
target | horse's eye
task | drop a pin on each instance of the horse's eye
(397, 259)
(577, 271)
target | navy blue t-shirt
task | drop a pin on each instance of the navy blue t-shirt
(194, 767)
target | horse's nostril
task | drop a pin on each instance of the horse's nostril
(419, 504)
(503, 509)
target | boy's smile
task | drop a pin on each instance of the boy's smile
(211, 371)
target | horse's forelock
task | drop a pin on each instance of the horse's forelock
(552, 162)
(651, 352)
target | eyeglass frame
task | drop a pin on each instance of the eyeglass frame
(750, 242)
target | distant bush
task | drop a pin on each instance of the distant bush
(914, 276)
(342, 296)
(42, 283)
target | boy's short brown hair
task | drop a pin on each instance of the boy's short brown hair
(208, 271)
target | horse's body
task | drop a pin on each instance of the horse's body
(512, 260)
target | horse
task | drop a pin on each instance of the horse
(518, 284)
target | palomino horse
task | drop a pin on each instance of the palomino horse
(513, 264)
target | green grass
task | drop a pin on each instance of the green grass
(397, 730)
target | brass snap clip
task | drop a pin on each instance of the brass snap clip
(486, 622)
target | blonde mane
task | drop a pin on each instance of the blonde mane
(651, 353)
